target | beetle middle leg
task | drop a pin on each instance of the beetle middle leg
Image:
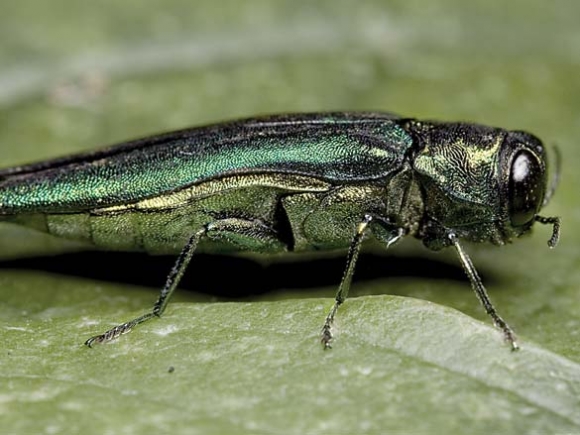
(393, 235)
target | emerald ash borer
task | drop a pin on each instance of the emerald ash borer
(292, 183)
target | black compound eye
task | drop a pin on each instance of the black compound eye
(526, 188)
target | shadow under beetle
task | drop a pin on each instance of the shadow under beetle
(292, 183)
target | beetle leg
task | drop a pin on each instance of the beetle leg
(481, 293)
(351, 258)
(170, 285)
(246, 234)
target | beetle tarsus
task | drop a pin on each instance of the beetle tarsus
(111, 334)
(508, 334)
(326, 335)
(326, 338)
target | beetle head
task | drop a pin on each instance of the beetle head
(481, 183)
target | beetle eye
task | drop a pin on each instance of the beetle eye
(526, 188)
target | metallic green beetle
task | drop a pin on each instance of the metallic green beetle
(291, 183)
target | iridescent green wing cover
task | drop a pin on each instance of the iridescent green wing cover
(341, 148)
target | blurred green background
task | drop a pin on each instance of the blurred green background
(78, 75)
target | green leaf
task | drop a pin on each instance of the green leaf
(399, 364)
(423, 360)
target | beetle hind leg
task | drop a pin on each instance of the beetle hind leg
(170, 285)
(246, 234)
(242, 233)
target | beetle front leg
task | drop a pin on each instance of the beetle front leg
(481, 293)
(351, 258)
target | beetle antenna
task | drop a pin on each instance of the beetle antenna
(555, 221)
(555, 180)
